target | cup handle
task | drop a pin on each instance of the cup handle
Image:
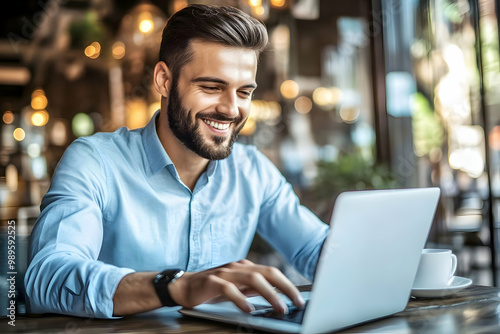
(453, 265)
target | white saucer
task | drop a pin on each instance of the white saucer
(457, 283)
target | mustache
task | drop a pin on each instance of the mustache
(219, 117)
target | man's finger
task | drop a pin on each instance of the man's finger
(274, 276)
(231, 292)
(282, 283)
(255, 281)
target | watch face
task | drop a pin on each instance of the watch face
(158, 277)
(179, 274)
(169, 275)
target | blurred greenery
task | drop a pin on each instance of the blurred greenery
(428, 133)
(89, 29)
(350, 171)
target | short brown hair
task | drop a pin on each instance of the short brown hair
(218, 24)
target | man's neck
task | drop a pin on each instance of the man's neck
(188, 164)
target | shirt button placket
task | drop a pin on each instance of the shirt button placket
(194, 239)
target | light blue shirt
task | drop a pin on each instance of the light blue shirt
(117, 205)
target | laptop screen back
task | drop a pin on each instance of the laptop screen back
(370, 257)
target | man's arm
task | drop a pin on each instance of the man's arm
(136, 292)
(64, 275)
(291, 228)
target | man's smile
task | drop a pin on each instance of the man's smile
(219, 127)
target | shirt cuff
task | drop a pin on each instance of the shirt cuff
(110, 282)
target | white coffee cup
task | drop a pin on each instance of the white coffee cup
(436, 269)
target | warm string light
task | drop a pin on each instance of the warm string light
(258, 8)
(39, 102)
(289, 89)
(118, 50)
(303, 105)
(8, 117)
(40, 118)
(38, 99)
(278, 3)
(146, 24)
(19, 134)
(59, 133)
(93, 51)
(261, 111)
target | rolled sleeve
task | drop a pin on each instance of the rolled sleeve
(64, 274)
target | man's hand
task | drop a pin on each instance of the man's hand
(234, 281)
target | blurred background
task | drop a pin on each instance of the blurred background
(359, 94)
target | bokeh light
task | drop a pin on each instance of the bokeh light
(96, 46)
(59, 133)
(494, 138)
(249, 127)
(12, 177)
(39, 102)
(37, 92)
(146, 24)
(82, 125)
(8, 117)
(259, 10)
(38, 99)
(40, 118)
(324, 96)
(89, 51)
(19, 134)
(118, 50)
(303, 104)
(263, 111)
(349, 114)
(34, 150)
(153, 107)
(289, 89)
(278, 3)
(93, 51)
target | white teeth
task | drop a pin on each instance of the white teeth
(219, 126)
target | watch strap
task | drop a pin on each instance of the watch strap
(161, 283)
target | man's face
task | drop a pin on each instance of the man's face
(210, 101)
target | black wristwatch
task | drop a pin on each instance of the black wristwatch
(161, 282)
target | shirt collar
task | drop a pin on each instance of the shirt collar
(156, 154)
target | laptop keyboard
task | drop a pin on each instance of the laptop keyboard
(295, 314)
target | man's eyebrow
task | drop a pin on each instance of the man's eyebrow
(220, 81)
(210, 79)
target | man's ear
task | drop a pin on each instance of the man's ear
(162, 78)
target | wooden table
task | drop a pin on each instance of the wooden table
(475, 309)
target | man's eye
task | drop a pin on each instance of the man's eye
(210, 89)
(245, 93)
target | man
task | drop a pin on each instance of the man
(129, 212)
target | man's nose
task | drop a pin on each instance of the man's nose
(228, 104)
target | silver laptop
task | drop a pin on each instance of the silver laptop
(365, 271)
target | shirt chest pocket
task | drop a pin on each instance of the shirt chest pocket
(230, 239)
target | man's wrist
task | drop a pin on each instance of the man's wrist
(162, 282)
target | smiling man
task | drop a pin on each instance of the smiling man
(216, 87)
(165, 215)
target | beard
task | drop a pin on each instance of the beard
(187, 130)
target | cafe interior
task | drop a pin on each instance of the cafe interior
(352, 95)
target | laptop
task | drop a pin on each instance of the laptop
(365, 271)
